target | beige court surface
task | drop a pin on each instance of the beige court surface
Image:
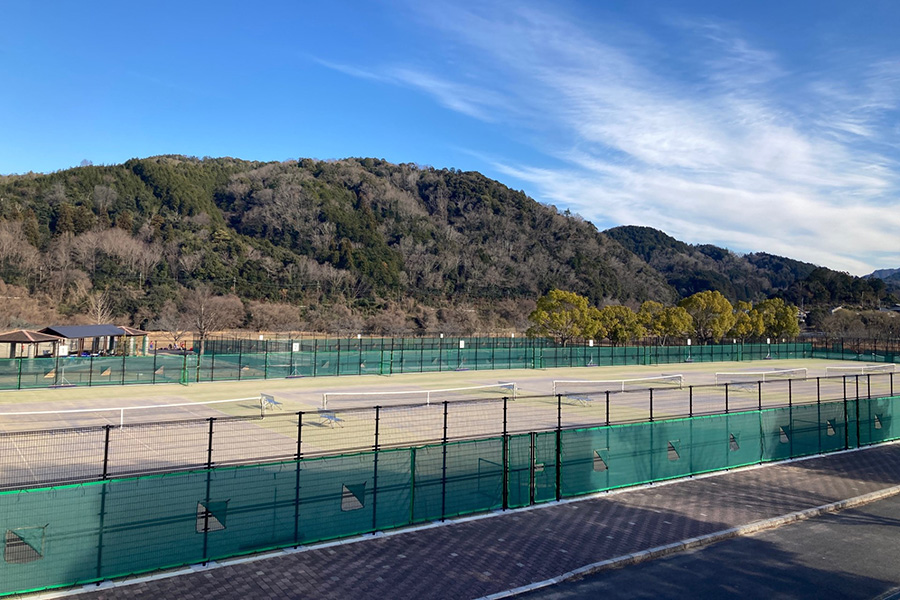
(182, 437)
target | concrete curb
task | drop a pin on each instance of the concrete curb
(696, 542)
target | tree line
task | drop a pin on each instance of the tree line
(705, 316)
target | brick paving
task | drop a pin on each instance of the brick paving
(473, 558)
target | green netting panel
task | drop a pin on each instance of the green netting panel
(853, 428)
(336, 496)
(249, 508)
(585, 461)
(876, 418)
(777, 436)
(473, 483)
(341, 492)
(671, 449)
(325, 363)
(724, 441)
(167, 368)
(138, 370)
(9, 373)
(519, 470)
(50, 537)
(532, 478)
(221, 367)
(150, 523)
(544, 467)
(833, 427)
(806, 426)
(253, 366)
(371, 362)
(278, 365)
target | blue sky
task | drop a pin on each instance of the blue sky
(758, 126)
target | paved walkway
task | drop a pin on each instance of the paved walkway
(480, 557)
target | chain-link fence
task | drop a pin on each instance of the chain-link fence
(236, 360)
(92, 531)
(73, 455)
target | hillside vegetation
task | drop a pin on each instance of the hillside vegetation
(340, 246)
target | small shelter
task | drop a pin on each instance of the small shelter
(95, 339)
(33, 341)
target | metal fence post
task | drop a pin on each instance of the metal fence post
(19, 379)
(505, 491)
(651, 405)
(240, 358)
(338, 366)
(107, 427)
(607, 407)
(726, 398)
(374, 467)
(297, 478)
(690, 401)
(444, 465)
(533, 436)
(558, 446)
(123, 365)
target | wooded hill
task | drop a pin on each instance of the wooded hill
(349, 239)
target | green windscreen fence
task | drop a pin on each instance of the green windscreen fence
(237, 360)
(76, 534)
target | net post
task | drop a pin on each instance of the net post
(869, 386)
(558, 446)
(790, 394)
(726, 398)
(121, 418)
(374, 470)
(759, 395)
(818, 391)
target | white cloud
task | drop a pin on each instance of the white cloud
(743, 152)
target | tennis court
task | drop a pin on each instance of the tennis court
(79, 434)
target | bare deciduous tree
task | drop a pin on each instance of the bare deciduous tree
(208, 312)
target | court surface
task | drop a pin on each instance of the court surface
(65, 444)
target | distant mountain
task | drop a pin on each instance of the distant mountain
(891, 277)
(696, 268)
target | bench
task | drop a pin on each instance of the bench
(328, 417)
(268, 402)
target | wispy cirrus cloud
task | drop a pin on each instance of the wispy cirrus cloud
(472, 101)
(712, 138)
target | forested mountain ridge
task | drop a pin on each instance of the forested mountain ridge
(343, 246)
(696, 268)
(747, 277)
(361, 234)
